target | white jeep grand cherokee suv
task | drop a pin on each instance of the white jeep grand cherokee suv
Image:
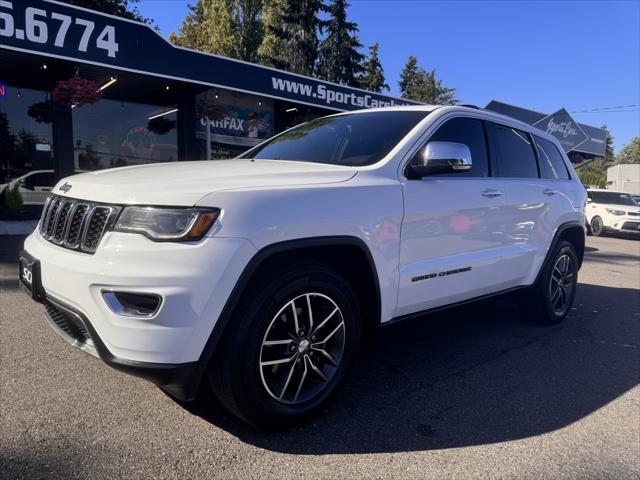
(260, 274)
(609, 211)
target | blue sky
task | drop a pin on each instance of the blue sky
(543, 55)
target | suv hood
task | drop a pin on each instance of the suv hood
(185, 183)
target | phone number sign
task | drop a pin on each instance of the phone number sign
(66, 32)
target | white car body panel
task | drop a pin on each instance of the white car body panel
(411, 228)
(185, 183)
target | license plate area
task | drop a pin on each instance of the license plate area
(29, 275)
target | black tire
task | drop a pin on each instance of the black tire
(237, 373)
(543, 306)
(597, 226)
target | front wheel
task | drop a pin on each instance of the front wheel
(597, 226)
(290, 347)
(552, 296)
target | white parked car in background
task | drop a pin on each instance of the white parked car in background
(609, 211)
(34, 187)
(260, 274)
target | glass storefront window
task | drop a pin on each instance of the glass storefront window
(111, 133)
(25, 133)
(232, 122)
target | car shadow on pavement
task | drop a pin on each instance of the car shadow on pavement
(468, 376)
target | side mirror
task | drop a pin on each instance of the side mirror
(23, 183)
(589, 200)
(437, 158)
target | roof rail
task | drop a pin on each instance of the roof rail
(468, 105)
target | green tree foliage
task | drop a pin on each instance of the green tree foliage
(13, 201)
(608, 154)
(291, 29)
(247, 19)
(592, 179)
(339, 60)
(593, 172)
(418, 84)
(372, 77)
(209, 28)
(119, 8)
(630, 153)
(232, 28)
(270, 51)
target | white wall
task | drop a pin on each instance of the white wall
(624, 178)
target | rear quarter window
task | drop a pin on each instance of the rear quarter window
(552, 164)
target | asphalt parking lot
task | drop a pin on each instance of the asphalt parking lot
(474, 392)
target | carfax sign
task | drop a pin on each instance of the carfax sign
(54, 29)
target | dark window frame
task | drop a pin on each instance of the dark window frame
(496, 162)
(430, 136)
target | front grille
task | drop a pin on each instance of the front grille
(71, 325)
(76, 224)
(633, 214)
(633, 226)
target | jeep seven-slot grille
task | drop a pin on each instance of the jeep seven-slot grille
(76, 224)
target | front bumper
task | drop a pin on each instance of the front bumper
(626, 224)
(179, 380)
(193, 279)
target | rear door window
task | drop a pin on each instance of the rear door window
(515, 157)
(552, 165)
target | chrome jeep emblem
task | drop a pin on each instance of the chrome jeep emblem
(65, 187)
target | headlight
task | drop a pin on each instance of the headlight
(613, 211)
(167, 224)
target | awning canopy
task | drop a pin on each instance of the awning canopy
(62, 31)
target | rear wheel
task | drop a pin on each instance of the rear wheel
(597, 226)
(289, 349)
(552, 296)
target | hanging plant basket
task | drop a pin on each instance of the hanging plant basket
(41, 111)
(76, 91)
(209, 108)
(161, 125)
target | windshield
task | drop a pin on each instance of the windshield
(611, 198)
(350, 140)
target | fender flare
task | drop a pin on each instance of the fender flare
(191, 386)
(556, 237)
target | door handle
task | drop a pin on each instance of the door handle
(550, 191)
(491, 193)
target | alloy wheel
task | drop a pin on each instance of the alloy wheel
(562, 283)
(302, 348)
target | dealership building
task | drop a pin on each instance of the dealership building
(159, 102)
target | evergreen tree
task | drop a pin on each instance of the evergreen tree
(208, 28)
(291, 35)
(231, 28)
(339, 60)
(608, 153)
(272, 47)
(630, 153)
(248, 22)
(119, 8)
(372, 77)
(420, 85)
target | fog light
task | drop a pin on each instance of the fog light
(131, 304)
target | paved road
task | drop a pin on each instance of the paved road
(471, 393)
